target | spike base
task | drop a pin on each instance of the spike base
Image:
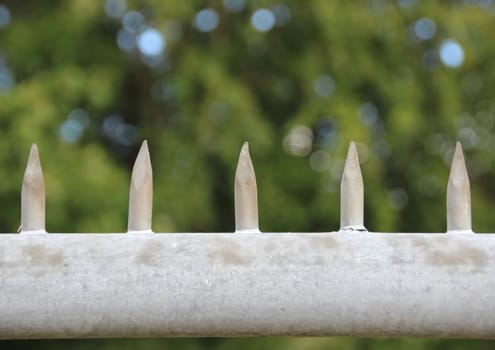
(354, 228)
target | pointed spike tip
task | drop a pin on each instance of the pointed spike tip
(245, 170)
(352, 193)
(458, 153)
(33, 194)
(141, 170)
(352, 152)
(143, 150)
(245, 193)
(458, 171)
(141, 192)
(33, 152)
(352, 158)
(144, 145)
(458, 195)
(245, 150)
(33, 170)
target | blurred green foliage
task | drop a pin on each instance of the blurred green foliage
(88, 80)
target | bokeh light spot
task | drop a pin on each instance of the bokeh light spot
(110, 124)
(7, 81)
(324, 86)
(282, 14)
(151, 42)
(326, 133)
(4, 16)
(73, 128)
(398, 198)
(206, 20)
(485, 4)
(133, 21)
(80, 116)
(368, 113)
(118, 131)
(320, 161)
(451, 53)
(115, 8)
(377, 7)
(299, 141)
(406, 4)
(425, 28)
(263, 20)
(234, 5)
(70, 131)
(126, 40)
(126, 134)
(468, 137)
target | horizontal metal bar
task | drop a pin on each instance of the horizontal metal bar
(319, 284)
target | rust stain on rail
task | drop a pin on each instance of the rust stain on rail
(229, 253)
(461, 254)
(38, 255)
(327, 242)
(149, 254)
(42, 260)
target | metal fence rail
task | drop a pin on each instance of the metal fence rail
(350, 282)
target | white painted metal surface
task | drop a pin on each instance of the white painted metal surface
(362, 284)
(349, 282)
(33, 195)
(458, 195)
(352, 193)
(245, 194)
(141, 193)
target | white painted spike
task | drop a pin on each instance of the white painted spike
(33, 195)
(352, 193)
(141, 193)
(458, 195)
(245, 194)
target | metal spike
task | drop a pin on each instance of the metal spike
(458, 195)
(141, 193)
(33, 195)
(352, 193)
(245, 194)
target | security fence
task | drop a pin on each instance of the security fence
(349, 282)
